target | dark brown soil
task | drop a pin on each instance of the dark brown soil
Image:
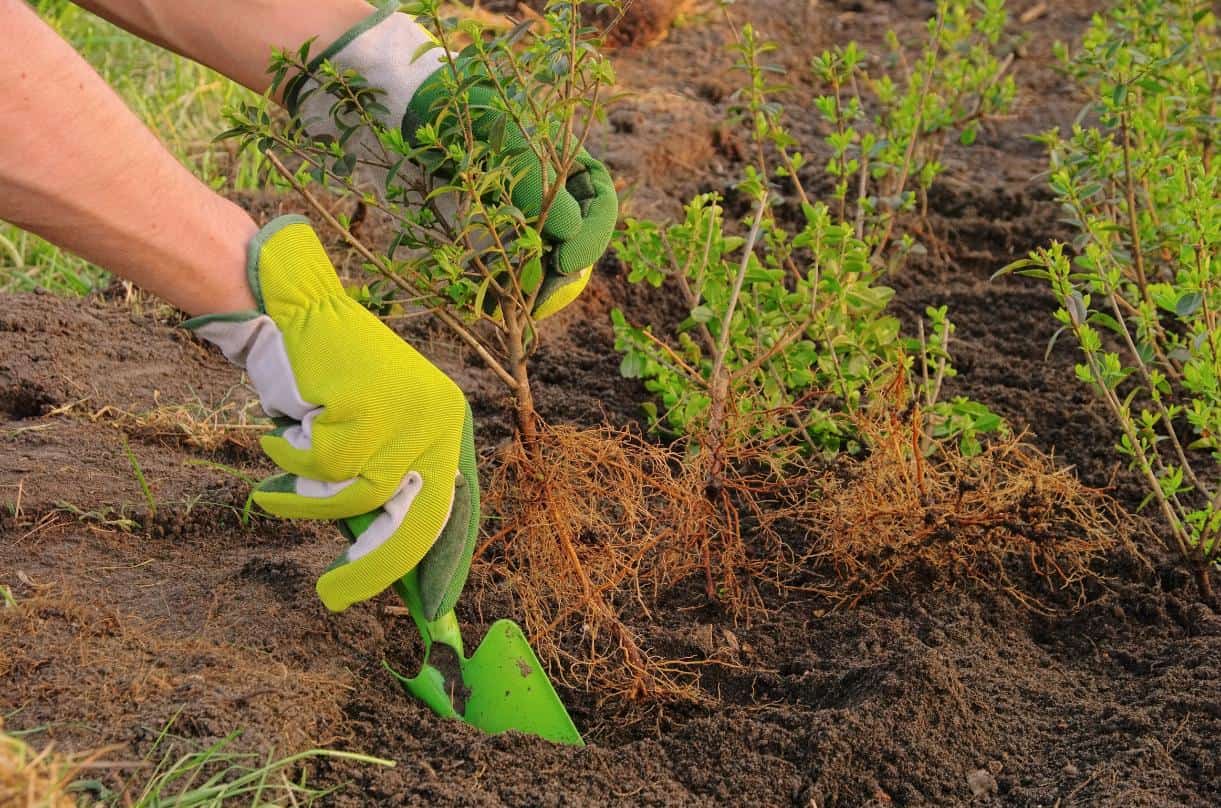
(128, 619)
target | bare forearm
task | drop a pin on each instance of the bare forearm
(78, 168)
(233, 37)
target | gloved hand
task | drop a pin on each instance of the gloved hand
(582, 217)
(365, 423)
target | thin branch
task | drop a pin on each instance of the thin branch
(727, 320)
(917, 124)
(1130, 190)
(678, 360)
(379, 263)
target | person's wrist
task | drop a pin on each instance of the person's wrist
(234, 295)
(221, 285)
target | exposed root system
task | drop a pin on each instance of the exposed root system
(1007, 519)
(741, 536)
(588, 516)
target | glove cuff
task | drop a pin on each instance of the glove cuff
(285, 252)
(383, 49)
(254, 251)
(296, 260)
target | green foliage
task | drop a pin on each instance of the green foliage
(889, 126)
(377, 296)
(27, 262)
(787, 333)
(138, 472)
(958, 419)
(461, 247)
(777, 334)
(1140, 291)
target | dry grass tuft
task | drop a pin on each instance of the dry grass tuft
(33, 779)
(587, 521)
(230, 425)
(1006, 520)
(211, 429)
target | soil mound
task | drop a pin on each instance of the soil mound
(192, 617)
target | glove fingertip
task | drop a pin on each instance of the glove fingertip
(277, 484)
(559, 291)
(276, 503)
(332, 596)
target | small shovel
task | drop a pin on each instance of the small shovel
(500, 687)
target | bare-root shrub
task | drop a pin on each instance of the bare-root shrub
(996, 520)
(593, 526)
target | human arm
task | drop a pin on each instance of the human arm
(79, 169)
(237, 37)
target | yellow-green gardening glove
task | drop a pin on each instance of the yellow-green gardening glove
(390, 51)
(365, 424)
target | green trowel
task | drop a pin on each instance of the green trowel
(500, 687)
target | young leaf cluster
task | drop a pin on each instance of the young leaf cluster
(956, 419)
(888, 126)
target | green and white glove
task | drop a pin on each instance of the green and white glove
(383, 49)
(365, 424)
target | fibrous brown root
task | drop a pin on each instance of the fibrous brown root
(747, 518)
(1006, 520)
(584, 524)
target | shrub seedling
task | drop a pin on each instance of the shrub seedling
(1138, 289)
(787, 340)
(461, 248)
(888, 129)
(787, 331)
(463, 251)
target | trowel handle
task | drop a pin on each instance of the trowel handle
(444, 628)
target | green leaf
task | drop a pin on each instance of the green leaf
(1020, 264)
(531, 275)
(632, 366)
(1188, 304)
